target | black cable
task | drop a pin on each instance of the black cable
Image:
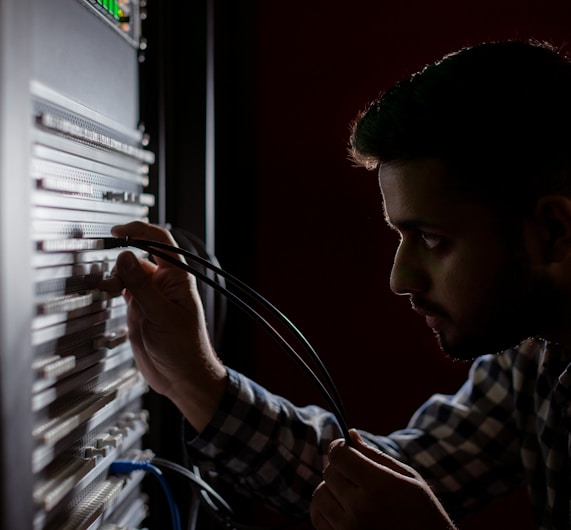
(214, 502)
(258, 297)
(333, 401)
(147, 246)
(207, 496)
(216, 499)
(189, 241)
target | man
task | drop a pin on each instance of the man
(474, 162)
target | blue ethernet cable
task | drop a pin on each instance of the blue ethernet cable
(124, 467)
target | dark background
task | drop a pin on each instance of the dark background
(294, 219)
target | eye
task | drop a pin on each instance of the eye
(431, 241)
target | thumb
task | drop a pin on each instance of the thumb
(135, 275)
(364, 448)
(378, 456)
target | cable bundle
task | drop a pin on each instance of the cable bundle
(327, 388)
(215, 504)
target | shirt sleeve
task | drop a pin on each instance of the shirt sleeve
(265, 445)
(465, 444)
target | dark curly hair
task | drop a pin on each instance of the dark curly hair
(498, 114)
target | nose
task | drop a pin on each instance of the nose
(408, 275)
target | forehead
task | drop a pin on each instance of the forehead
(421, 192)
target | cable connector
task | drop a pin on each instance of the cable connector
(114, 242)
(124, 467)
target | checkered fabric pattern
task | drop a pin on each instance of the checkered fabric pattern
(508, 424)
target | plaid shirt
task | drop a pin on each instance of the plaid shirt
(509, 423)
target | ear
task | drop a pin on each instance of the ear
(553, 218)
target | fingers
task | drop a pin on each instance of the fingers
(380, 457)
(114, 284)
(363, 487)
(141, 230)
(349, 462)
(324, 510)
(158, 287)
(363, 447)
(135, 276)
(354, 463)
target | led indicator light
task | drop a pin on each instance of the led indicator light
(117, 10)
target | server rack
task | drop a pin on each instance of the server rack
(73, 162)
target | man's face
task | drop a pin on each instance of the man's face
(478, 293)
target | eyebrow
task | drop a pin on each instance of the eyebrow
(408, 224)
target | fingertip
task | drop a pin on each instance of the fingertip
(121, 230)
(117, 231)
(336, 445)
(112, 285)
(126, 262)
(355, 436)
(141, 229)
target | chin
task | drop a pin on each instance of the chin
(467, 349)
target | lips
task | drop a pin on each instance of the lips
(433, 321)
(431, 316)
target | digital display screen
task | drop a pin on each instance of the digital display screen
(123, 15)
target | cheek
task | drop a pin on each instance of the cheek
(472, 282)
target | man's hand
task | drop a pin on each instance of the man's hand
(365, 489)
(167, 328)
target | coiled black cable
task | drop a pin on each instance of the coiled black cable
(331, 394)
